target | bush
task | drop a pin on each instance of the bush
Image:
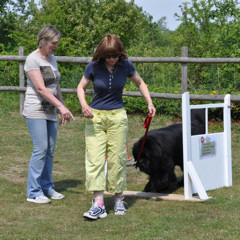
(9, 101)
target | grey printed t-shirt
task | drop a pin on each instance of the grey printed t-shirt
(34, 105)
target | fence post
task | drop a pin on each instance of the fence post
(21, 78)
(184, 67)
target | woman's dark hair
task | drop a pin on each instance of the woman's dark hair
(110, 45)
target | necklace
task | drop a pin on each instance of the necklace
(111, 76)
(112, 72)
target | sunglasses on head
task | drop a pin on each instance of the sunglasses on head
(111, 56)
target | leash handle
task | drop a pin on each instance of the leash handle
(147, 121)
(146, 125)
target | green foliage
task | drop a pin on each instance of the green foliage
(209, 29)
(71, 74)
(13, 18)
(9, 70)
(81, 23)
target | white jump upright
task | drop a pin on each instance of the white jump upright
(207, 157)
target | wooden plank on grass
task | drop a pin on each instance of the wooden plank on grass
(161, 196)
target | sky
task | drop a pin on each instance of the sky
(161, 8)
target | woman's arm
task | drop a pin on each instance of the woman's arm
(59, 94)
(144, 91)
(86, 109)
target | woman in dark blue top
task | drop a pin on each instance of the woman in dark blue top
(107, 124)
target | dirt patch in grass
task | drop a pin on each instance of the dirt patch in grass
(15, 174)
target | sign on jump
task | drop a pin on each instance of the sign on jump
(207, 158)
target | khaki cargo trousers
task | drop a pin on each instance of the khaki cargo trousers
(106, 136)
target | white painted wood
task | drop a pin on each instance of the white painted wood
(202, 173)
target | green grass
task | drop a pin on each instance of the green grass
(217, 218)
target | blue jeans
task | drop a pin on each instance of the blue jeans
(44, 135)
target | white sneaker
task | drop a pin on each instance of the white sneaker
(95, 212)
(56, 196)
(119, 207)
(39, 199)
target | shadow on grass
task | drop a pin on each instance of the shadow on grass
(67, 185)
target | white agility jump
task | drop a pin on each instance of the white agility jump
(207, 158)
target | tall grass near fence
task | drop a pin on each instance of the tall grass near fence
(217, 218)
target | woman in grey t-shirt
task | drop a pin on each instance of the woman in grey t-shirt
(43, 99)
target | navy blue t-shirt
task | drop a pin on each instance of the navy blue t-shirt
(108, 86)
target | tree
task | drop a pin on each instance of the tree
(83, 23)
(209, 28)
(12, 15)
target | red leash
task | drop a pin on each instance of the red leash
(145, 125)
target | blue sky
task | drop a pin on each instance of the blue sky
(161, 8)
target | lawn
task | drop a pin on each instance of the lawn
(217, 218)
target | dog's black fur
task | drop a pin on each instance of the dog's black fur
(163, 150)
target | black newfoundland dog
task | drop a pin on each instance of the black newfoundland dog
(163, 150)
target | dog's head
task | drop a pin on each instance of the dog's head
(148, 162)
(197, 121)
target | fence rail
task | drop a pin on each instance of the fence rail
(234, 98)
(184, 61)
(85, 60)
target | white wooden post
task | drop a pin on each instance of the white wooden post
(186, 144)
(227, 141)
(190, 174)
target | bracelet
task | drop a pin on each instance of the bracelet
(151, 105)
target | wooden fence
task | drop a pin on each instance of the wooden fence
(184, 61)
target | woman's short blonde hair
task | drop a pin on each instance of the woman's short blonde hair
(48, 33)
(109, 45)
